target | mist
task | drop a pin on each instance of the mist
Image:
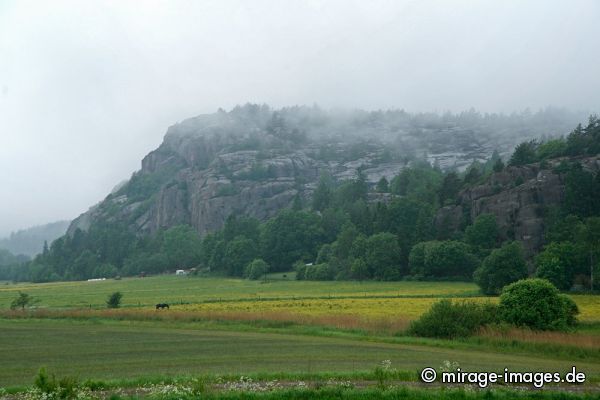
(88, 88)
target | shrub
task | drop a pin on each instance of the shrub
(65, 388)
(503, 266)
(537, 304)
(22, 301)
(319, 272)
(447, 320)
(45, 383)
(256, 269)
(114, 300)
(300, 268)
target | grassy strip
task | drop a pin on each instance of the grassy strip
(183, 380)
(337, 392)
(390, 394)
(502, 345)
(373, 384)
(111, 349)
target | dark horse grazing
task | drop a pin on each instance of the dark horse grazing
(162, 305)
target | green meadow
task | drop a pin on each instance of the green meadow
(184, 289)
(281, 328)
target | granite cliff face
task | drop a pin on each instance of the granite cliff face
(256, 161)
(207, 168)
(519, 208)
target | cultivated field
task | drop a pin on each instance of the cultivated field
(234, 327)
(178, 289)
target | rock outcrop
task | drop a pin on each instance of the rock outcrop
(518, 197)
(255, 161)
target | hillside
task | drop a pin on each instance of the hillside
(255, 161)
(345, 196)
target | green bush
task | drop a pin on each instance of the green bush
(319, 272)
(22, 301)
(44, 382)
(114, 300)
(446, 319)
(65, 388)
(256, 269)
(537, 304)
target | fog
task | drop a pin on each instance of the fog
(88, 88)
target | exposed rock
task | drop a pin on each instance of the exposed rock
(519, 210)
(256, 161)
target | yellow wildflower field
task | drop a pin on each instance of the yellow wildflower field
(368, 308)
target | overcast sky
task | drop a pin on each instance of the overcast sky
(87, 88)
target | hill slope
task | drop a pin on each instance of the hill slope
(255, 161)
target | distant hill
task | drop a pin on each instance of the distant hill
(30, 241)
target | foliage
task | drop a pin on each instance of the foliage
(229, 189)
(448, 259)
(537, 304)
(419, 182)
(238, 254)
(446, 319)
(410, 220)
(383, 186)
(359, 269)
(181, 245)
(64, 388)
(7, 258)
(236, 226)
(525, 153)
(144, 184)
(319, 272)
(290, 236)
(558, 263)
(498, 165)
(114, 300)
(22, 300)
(483, 234)
(589, 236)
(256, 269)
(473, 174)
(503, 266)
(449, 188)
(380, 254)
(582, 192)
(585, 141)
(551, 149)
(323, 193)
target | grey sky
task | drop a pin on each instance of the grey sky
(88, 88)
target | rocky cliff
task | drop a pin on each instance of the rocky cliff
(519, 197)
(255, 161)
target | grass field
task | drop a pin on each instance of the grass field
(121, 349)
(232, 326)
(176, 289)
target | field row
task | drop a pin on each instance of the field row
(120, 349)
(175, 289)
